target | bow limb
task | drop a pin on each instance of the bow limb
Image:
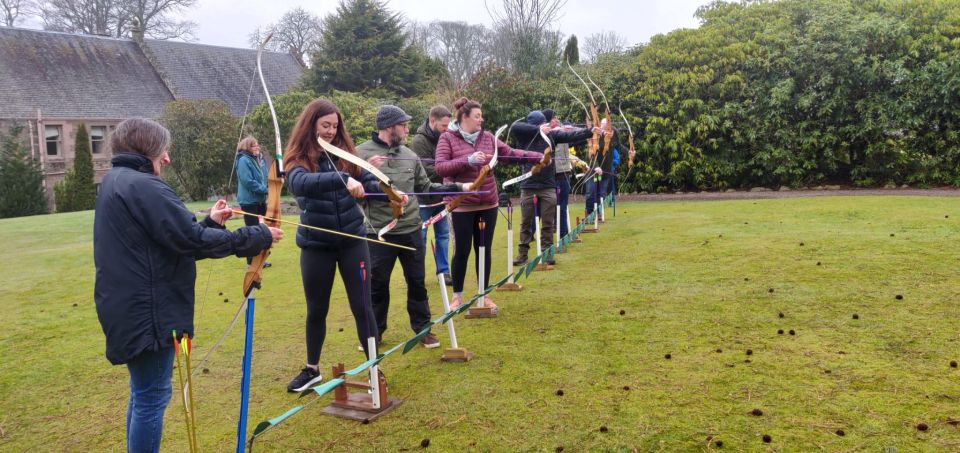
(586, 113)
(253, 276)
(633, 151)
(386, 184)
(594, 114)
(609, 126)
(254, 273)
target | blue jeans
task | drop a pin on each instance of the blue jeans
(441, 233)
(591, 195)
(563, 198)
(150, 390)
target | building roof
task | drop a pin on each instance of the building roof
(84, 76)
(195, 71)
(76, 76)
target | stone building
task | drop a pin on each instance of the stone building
(51, 82)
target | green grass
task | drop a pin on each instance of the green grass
(691, 277)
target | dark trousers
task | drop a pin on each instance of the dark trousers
(563, 183)
(467, 232)
(595, 192)
(317, 268)
(547, 207)
(382, 260)
(252, 220)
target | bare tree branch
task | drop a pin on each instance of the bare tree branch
(524, 36)
(114, 17)
(12, 10)
(602, 43)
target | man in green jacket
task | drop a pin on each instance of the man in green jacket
(424, 143)
(387, 151)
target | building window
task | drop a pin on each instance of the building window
(53, 135)
(97, 136)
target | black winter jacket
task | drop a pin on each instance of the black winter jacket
(325, 203)
(528, 137)
(145, 244)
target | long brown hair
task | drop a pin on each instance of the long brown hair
(303, 150)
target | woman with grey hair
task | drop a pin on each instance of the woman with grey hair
(145, 244)
(251, 182)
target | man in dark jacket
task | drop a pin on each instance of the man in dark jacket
(424, 144)
(386, 150)
(543, 184)
(145, 244)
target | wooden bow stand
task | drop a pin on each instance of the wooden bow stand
(359, 405)
(588, 229)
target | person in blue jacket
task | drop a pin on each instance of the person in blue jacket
(252, 173)
(327, 189)
(145, 244)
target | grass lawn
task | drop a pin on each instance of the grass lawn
(702, 282)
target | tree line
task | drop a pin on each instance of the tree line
(789, 93)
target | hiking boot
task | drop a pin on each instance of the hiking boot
(430, 341)
(447, 279)
(307, 377)
(520, 260)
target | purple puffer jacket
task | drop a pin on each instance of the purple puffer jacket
(451, 163)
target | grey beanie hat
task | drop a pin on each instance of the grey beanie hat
(391, 115)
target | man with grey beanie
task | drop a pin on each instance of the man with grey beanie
(387, 151)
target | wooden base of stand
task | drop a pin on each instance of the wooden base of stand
(456, 355)
(359, 405)
(544, 267)
(578, 241)
(591, 230)
(510, 287)
(480, 312)
(358, 414)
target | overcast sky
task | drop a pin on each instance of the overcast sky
(229, 22)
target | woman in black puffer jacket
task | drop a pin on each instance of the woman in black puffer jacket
(327, 189)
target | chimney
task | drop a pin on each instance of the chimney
(136, 31)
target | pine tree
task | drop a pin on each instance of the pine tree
(77, 191)
(571, 52)
(364, 49)
(21, 179)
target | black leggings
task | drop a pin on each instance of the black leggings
(466, 231)
(317, 267)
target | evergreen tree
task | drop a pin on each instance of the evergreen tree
(571, 52)
(364, 49)
(77, 191)
(21, 179)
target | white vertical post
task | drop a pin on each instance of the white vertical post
(556, 227)
(374, 371)
(536, 222)
(596, 217)
(602, 203)
(513, 279)
(481, 272)
(446, 309)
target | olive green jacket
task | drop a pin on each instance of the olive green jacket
(408, 175)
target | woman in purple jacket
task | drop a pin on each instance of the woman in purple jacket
(461, 153)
